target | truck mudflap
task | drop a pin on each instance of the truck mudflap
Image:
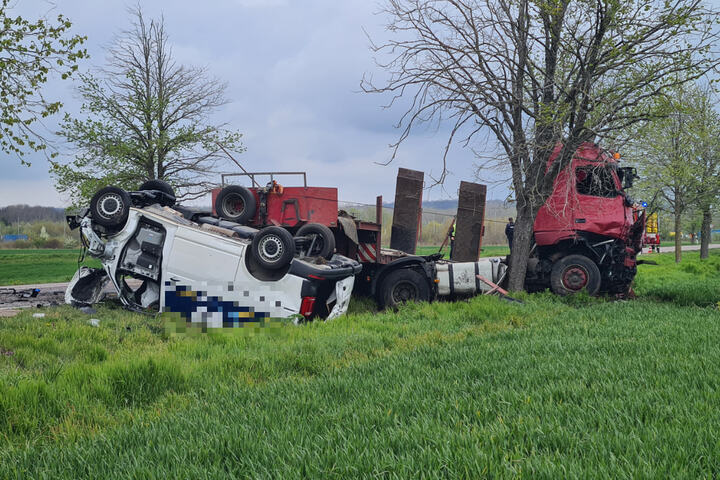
(462, 278)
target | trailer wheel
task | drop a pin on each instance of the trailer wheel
(402, 286)
(574, 273)
(273, 247)
(161, 186)
(110, 206)
(236, 203)
(323, 240)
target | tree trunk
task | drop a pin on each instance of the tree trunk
(678, 237)
(705, 233)
(522, 243)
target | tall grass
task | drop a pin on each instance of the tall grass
(692, 282)
(549, 388)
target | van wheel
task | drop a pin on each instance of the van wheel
(236, 203)
(273, 248)
(402, 286)
(110, 206)
(322, 243)
(161, 186)
(574, 273)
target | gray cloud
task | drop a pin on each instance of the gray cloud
(293, 71)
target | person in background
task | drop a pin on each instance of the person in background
(451, 234)
(510, 231)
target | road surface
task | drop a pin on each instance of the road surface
(685, 248)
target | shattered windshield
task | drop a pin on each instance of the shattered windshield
(597, 181)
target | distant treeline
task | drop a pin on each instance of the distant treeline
(26, 214)
(451, 205)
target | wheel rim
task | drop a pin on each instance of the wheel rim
(271, 248)
(575, 278)
(404, 292)
(110, 205)
(234, 205)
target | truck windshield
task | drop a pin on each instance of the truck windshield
(598, 181)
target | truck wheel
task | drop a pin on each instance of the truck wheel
(323, 240)
(110, 206)
(574, 273)
(401, 286)
(273, 247)
(161, 186)
(236, 203)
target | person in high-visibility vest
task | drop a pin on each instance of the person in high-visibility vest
(452, 237)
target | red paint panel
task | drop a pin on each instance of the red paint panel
(296, 206)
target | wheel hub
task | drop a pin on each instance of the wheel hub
(110, 205)
(575, 278)
(234, 205)
(404, 292)
(271, 248)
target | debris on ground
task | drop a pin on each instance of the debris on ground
(14, 298)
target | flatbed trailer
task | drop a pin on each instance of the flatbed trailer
(389, 275)
(392, 276)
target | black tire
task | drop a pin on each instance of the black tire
(273, 248)
(402, 286)
(161, 186)
(323, 242)
(110, 206)
(236, 203)
(573, 274)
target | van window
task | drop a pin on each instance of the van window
(596, 181)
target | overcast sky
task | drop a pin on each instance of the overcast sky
(293, 70)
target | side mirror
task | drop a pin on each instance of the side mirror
(627, 175)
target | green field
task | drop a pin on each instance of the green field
(551, 388)
(487, 251)
(20, 267)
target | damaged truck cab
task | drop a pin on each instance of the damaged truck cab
(586, 234)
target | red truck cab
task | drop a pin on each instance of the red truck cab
(586, 236)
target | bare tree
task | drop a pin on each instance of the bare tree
(538, 74)
(146, 117)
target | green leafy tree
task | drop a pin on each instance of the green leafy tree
(705, 153)
(30, 51)
(144, 117)
(679, 159)
(532, 74)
